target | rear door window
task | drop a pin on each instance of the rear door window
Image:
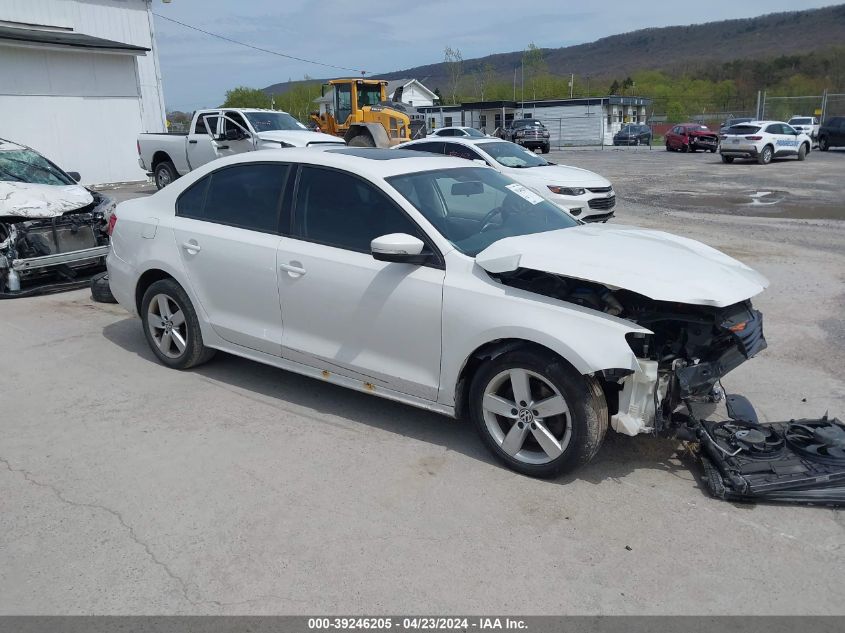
(461, 151)
(245, 196)
(434, 147)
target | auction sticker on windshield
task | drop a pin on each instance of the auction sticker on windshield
(525, 193)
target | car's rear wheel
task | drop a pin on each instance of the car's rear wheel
(727, 159)
(537, 414)
(765, 155)
(668, 149)
(164, 173)
(171, 326)
(802, 151)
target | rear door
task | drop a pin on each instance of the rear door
(782, 138)
(202, 143)
(227, 233)
(838, 131)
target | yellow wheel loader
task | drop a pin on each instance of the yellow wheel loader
(362, 114)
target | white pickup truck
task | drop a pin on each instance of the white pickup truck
(222, 132)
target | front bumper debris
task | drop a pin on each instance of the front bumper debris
(799, 461)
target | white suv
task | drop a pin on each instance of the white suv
(584, 194)
(763, 140)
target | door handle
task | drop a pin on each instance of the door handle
(292, 268)
(191, 247)
(193, 141)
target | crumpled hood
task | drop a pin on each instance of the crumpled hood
(299, 138)
(658, 265)
(29, 200)
(562, 175)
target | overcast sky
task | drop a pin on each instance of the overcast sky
(383, 36)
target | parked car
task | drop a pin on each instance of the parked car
(459, 131)
(530, 133)
(53, 231)
(734, 121)
(807, 124)
(633, 134)
(582, 193)
(222, 132)
(763, 141)
(832, 133)
(689, 137)
(438, 283)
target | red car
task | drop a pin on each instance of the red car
(688, 137)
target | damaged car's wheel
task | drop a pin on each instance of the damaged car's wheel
(100, 289)
(537, 414)
(171, 326)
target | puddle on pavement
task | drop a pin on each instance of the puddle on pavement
(759, 202)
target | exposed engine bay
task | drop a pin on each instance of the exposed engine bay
(681, 364)
(44, 254)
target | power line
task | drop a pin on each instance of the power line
(257, 48)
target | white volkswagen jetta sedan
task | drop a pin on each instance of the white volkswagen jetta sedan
(582, 193)
(438, 283)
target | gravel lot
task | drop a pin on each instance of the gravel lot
(126, 487)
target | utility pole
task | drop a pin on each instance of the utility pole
(571, 84)
(522, 79)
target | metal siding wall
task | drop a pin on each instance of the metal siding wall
(121, 20)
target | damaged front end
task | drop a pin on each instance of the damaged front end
(58, 244)
(681, 362)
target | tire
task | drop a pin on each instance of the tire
(727, 159)
(802, 151)
(636, 141)
(713, 150)
(100, 289)
(167, 296)
(824, 144)
(765, 155)
(686, 148)
(164, 173)
(362, 140)
(547, 149)
(572, 438)
(668, 149)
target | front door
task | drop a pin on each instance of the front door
(346, 312)
(227, 233)
(202, 140)
(233, 122)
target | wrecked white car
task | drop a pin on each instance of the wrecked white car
(53, 232)
(446, 285)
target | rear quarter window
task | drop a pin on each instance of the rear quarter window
(743, 129)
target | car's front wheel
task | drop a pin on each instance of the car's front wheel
(537, 414)
(802, 151)
(824, 144)
(727, 159)
(171, 326)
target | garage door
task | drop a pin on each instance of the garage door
(80, 109)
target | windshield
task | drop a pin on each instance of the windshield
(527, 123)
(25, 165)
(368, 94)
(473, 207)
(269, 121)
(801, 121)
(512, 155)
(698, 128)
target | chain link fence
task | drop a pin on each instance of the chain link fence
(574, 131)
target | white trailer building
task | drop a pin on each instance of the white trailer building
(585, 121)
(79, 79)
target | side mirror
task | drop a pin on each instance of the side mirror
(75, 175)
(398, 247)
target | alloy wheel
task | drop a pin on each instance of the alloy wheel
(527, 416)
(167, 325)
(162, 177)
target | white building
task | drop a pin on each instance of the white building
(79, 79)
(585, 121)
(414, 93)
